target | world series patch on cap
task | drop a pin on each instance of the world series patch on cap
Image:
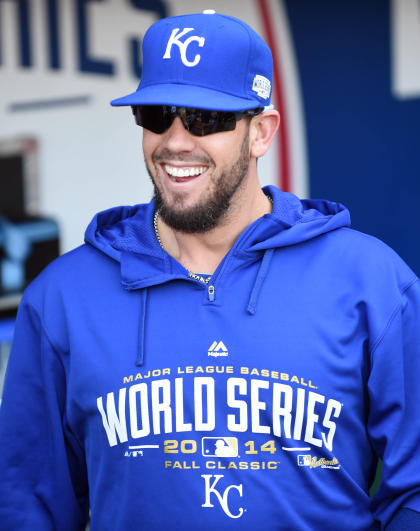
(207, 61)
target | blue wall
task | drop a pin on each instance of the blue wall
(363, 143)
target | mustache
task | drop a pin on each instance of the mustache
(166, 154)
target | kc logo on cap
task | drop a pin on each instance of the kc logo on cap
(175, 39)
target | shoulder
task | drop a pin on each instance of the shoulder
(370, 252)
(68, 289)
(368, 265)
(72, 274)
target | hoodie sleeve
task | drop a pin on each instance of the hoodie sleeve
(394, 420)
(43, 474)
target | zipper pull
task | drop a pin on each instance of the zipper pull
(210, 290)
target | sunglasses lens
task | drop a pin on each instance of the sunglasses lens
(199, 122)
(155, 118)
(203, 122)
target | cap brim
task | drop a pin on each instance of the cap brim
(186, 96)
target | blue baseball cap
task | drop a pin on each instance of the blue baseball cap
(207, 61)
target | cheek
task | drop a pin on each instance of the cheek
(150, 142)
(226, 146)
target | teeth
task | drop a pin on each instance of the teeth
(174, 171)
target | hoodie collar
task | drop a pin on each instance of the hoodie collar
(126, 234)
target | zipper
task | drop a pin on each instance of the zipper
(210, 292)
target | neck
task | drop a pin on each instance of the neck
(202, 252)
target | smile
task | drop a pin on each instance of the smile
(189, 171)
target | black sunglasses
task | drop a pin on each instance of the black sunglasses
(199, 122)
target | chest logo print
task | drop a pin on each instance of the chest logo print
(222, 496)
(316, 462)
(219, 446)
(218, 349)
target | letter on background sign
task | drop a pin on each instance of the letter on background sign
(156, 6)
(86, 62)
(23, 24)
(405, 31)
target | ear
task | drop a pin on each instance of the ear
(262, 130)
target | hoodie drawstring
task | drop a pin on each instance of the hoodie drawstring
(251, 308)
(262, 273)
(142, 327)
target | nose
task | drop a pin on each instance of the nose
(177, 138)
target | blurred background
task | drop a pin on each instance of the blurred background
(346, 81)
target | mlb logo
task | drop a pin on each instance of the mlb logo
(304, 460)
(219, 446)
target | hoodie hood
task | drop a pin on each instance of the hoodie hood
(126, 234)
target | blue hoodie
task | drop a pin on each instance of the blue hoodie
(260, 401)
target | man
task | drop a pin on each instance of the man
(225, 356)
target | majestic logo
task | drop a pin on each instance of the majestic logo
(218, 349)
(261, 86)
(175, 39)
(221, 497)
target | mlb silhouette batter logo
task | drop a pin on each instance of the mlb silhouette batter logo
(219, 446)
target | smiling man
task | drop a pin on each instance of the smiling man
(224, 357)
(206, 187)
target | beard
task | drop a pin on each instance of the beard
(207, 213)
